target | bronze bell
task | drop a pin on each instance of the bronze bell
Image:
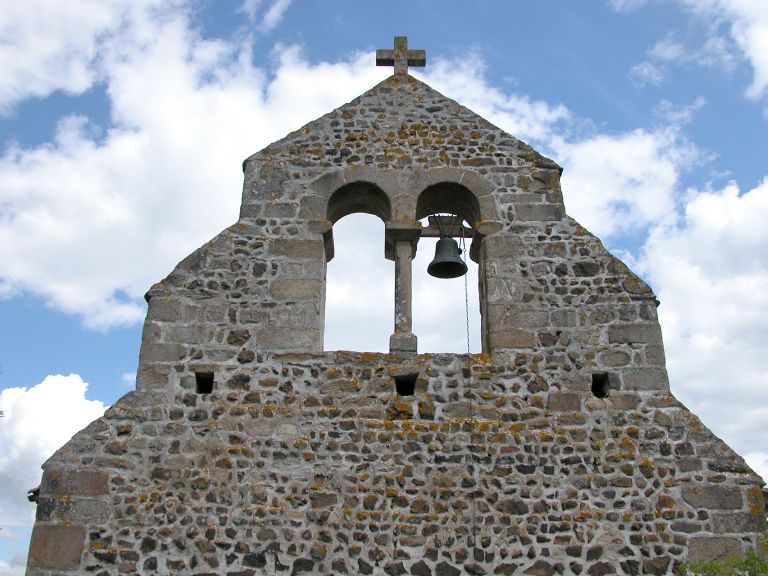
(447, 262)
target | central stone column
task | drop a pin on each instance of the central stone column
(402, 243)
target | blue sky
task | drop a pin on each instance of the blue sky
(123, 126)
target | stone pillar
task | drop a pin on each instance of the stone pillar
(403, 243)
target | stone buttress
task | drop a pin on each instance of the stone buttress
(247, 449)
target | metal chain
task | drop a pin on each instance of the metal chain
(471, 393)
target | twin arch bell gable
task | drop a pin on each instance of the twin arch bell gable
(248, 448)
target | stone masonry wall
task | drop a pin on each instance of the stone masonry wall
(247, 449)
(314, 464)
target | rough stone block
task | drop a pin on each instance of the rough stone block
(503, 247)
(163, 309)
(56, 547)
(586, 268)
(624, 401)
(403, 342)
(161, 352)
(511, 339)
(188, 334)
(297, 248)
(645, 379)
(738, 522)
(714, 497)
(614, 358)
(525, 319)
(288, 338)
(634, 334)
(86, 510)
(253, 315)
(74, 483)
(295, 289)
(708, 549)
(654, 355)
(313, 208)
(563, 401)
(564, 318)
(280, 210)
(535, 212)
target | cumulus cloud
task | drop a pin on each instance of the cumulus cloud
(49, 46)
(36, 422)
(623, 183)
(710, 271)
(85, 218)
(750, 31)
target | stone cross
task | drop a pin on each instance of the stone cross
(400, 57)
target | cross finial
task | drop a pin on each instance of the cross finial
(401, 57)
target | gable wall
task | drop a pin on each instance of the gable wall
(308, 461)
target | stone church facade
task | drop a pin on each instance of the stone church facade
(247, 449)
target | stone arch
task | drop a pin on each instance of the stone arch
(448, 197)
(356, 197)
(359, 196)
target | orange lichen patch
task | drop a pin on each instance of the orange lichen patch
(481, 358)
(665, 501)
(755, 500)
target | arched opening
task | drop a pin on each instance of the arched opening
(439, 305)
(359, 197)
(359, 280)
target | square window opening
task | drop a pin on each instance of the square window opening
(405, 384)
(601, 384)
(204, 382)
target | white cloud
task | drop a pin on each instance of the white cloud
(646, 73)
(86, 220)
(750, 31)
(37, 421)
(274, 14)
(711, 274)
(16, 567)
(271, 17)
(624, 183)
(86, 217)
(747, 23)
(759, 462)
(128, 379)
(667, 49)
(48, 46)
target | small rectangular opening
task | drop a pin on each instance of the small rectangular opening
(601, 384)
(204, 382)
(405, 384)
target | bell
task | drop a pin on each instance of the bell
(447, 263)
